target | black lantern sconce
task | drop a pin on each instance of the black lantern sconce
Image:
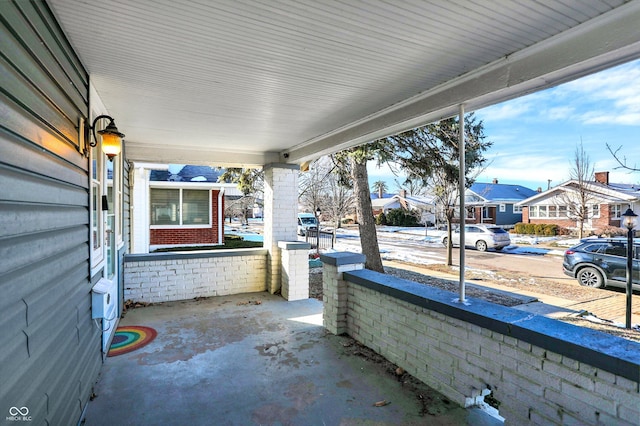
(111, 137)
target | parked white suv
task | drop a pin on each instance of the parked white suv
(482, 237)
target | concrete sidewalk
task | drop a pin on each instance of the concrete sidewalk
(256, 359)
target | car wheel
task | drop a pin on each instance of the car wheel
(481, 246)
(590, 277)
(445, 241)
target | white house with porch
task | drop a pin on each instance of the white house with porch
(95, 85)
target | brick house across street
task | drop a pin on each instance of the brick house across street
(607, 201)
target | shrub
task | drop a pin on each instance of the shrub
(520, 228)
(381, 219)
(550, 230)
(542, 229)
(611, 231)
(401, 217)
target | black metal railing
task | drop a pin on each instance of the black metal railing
(325, 239)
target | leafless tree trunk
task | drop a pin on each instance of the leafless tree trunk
(364, 212)
(579, 197)
(321, 187)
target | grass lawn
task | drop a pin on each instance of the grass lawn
(230, 242)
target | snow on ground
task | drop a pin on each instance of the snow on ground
(413, 238)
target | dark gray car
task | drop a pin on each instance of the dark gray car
(599, 262)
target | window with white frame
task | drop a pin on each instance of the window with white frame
(118, 189)
(543, 211)
(562, 212)
(595, 210)
(517, 209)
(503, 208)
(115, 195)
(617, 210)
(471, 212)
(180, 207)
(96, 165)
(550, 211)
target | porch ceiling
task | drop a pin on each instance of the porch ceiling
(234, 82)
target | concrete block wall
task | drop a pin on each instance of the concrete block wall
(163, 277)
(541, 370)
(295, 269)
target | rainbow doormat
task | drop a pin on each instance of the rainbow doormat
(128, 339)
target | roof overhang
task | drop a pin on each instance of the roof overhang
(246, 84)
(597, 191)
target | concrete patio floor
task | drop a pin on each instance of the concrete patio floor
(230, 360)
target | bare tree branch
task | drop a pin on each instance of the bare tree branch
(621, 160)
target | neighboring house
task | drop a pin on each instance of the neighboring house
(424, 205)
(495, 203)
(607, 201)
(384, 204)
(178, 210)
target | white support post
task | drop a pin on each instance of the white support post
(463, 210)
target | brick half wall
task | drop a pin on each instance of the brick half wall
(163, 277)
(542, 371)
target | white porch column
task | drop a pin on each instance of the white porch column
(280, 216)
(139, 182)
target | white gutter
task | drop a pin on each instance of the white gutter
(220, 218)
(463, 212)
(151, 166)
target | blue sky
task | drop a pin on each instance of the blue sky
(535, 137)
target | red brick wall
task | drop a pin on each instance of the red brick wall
(597, 222)
(169, 236)
(605, 219)
(565, 223)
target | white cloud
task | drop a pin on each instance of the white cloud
(559, 113)
(506, 110)
(599, 117)
(611, 96)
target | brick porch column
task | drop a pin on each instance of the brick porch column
(280, 216)
(295, 269)
(334, 288)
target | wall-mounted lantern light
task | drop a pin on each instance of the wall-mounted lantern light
(629, 222)
(111, 137)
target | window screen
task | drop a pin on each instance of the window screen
(165, 206)
(195, 207)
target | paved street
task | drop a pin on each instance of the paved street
(538, 269)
